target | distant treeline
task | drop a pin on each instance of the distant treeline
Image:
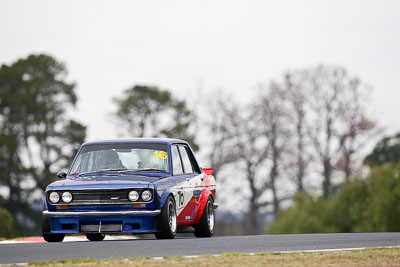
(361, 205)
(303, 133)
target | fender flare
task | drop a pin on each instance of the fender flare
(203, 201)
(164, 197)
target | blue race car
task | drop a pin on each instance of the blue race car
(136, 186)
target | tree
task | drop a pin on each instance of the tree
(308, 214)
(252, 139)
(182, 119)
(357, 128)
(297, 111)
(6, 224)
(384, 197)
(273, 114)
(221, 133)
(147, 111)
(327, 85)
(251, 147)
(331, 108)
(36, 136)
(387, 150)
(349, 212)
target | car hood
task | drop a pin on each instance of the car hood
(104, 182)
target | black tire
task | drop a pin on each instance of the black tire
(205, 227)
(46, 224)
(53, 237)
(167, 220)
(46, 231)
(95, 237)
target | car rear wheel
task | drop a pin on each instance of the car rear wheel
(95, 237)
(205, 227)
(53, 237)
(167, 220)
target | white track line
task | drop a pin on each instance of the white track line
(332, 249)
(291, 251)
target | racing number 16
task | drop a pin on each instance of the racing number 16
(160, 154)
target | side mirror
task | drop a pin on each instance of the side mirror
(61, 174)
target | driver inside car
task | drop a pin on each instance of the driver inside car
(109, 160)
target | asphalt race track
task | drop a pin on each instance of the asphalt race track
(28, 252)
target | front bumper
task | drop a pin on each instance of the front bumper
(72, 222)
(101, 213)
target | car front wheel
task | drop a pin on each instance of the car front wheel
(95, 237)
(167, 220)
(46, 231)
(53, 237)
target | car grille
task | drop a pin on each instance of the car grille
(89, 197)
(101, 196)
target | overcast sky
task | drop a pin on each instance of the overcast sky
(110, 45)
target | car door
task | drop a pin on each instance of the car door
(192, 186)
(179, 178)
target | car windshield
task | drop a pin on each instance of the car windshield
(121, 157)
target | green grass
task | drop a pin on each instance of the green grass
(365, 257)
(64, 261)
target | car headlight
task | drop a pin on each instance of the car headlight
(146, 195)
(133, 195)
(54, 197)
(66, 197)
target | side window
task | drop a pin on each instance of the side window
(176, 161)
(187, 165)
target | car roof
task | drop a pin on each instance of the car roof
(136, 140)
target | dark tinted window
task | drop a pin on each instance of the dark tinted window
(176, 161)
(187, 165)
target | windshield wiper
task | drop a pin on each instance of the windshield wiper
(149, 170)
(122, 171)
(100, 171)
